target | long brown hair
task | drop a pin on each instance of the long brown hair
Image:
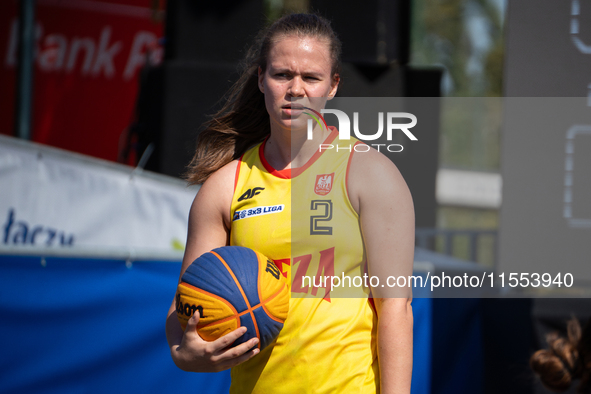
(243, 121)
(566, 359)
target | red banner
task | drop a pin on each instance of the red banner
(87, 62)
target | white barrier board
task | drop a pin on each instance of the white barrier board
(54, 198)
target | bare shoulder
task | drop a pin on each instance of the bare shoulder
(215, 195)
(373, 176)
(386, 215)
(209, 218)
(221, 181)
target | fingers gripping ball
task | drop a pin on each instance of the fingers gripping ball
(231, 287)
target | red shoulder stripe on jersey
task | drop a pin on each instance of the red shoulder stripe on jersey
(237, 172)
(292, 173)
(373, 305)
(348, 166)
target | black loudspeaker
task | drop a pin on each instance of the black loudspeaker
(419, 163)
(373, 32)
(146, 129)
(204, 43)
(192, 92)
(211, 30)
(371, 81)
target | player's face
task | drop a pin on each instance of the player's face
(297, 68)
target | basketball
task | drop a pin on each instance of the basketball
(231, 287)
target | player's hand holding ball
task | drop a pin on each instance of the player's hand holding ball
(229, 300)
(194, 354)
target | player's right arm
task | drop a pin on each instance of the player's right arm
(209, 228)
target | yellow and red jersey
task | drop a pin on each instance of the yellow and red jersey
(303, 220)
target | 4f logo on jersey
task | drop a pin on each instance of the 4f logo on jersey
(323, 184)
(250, 193)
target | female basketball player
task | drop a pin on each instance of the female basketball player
(252, 154)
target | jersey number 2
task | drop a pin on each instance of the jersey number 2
(316, 220)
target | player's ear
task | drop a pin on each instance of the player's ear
(335, 85)
(261, 77)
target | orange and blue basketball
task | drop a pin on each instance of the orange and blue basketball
(231, 287)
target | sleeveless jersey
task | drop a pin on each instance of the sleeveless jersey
(303, 220)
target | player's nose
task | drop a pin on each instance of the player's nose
(296, 88)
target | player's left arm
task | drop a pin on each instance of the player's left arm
(381, 197)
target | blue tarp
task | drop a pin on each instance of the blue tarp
(90, 326)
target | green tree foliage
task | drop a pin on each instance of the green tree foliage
(443, 34)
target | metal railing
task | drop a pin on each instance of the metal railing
(453, 242)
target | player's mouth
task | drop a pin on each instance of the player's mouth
(292, 109)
